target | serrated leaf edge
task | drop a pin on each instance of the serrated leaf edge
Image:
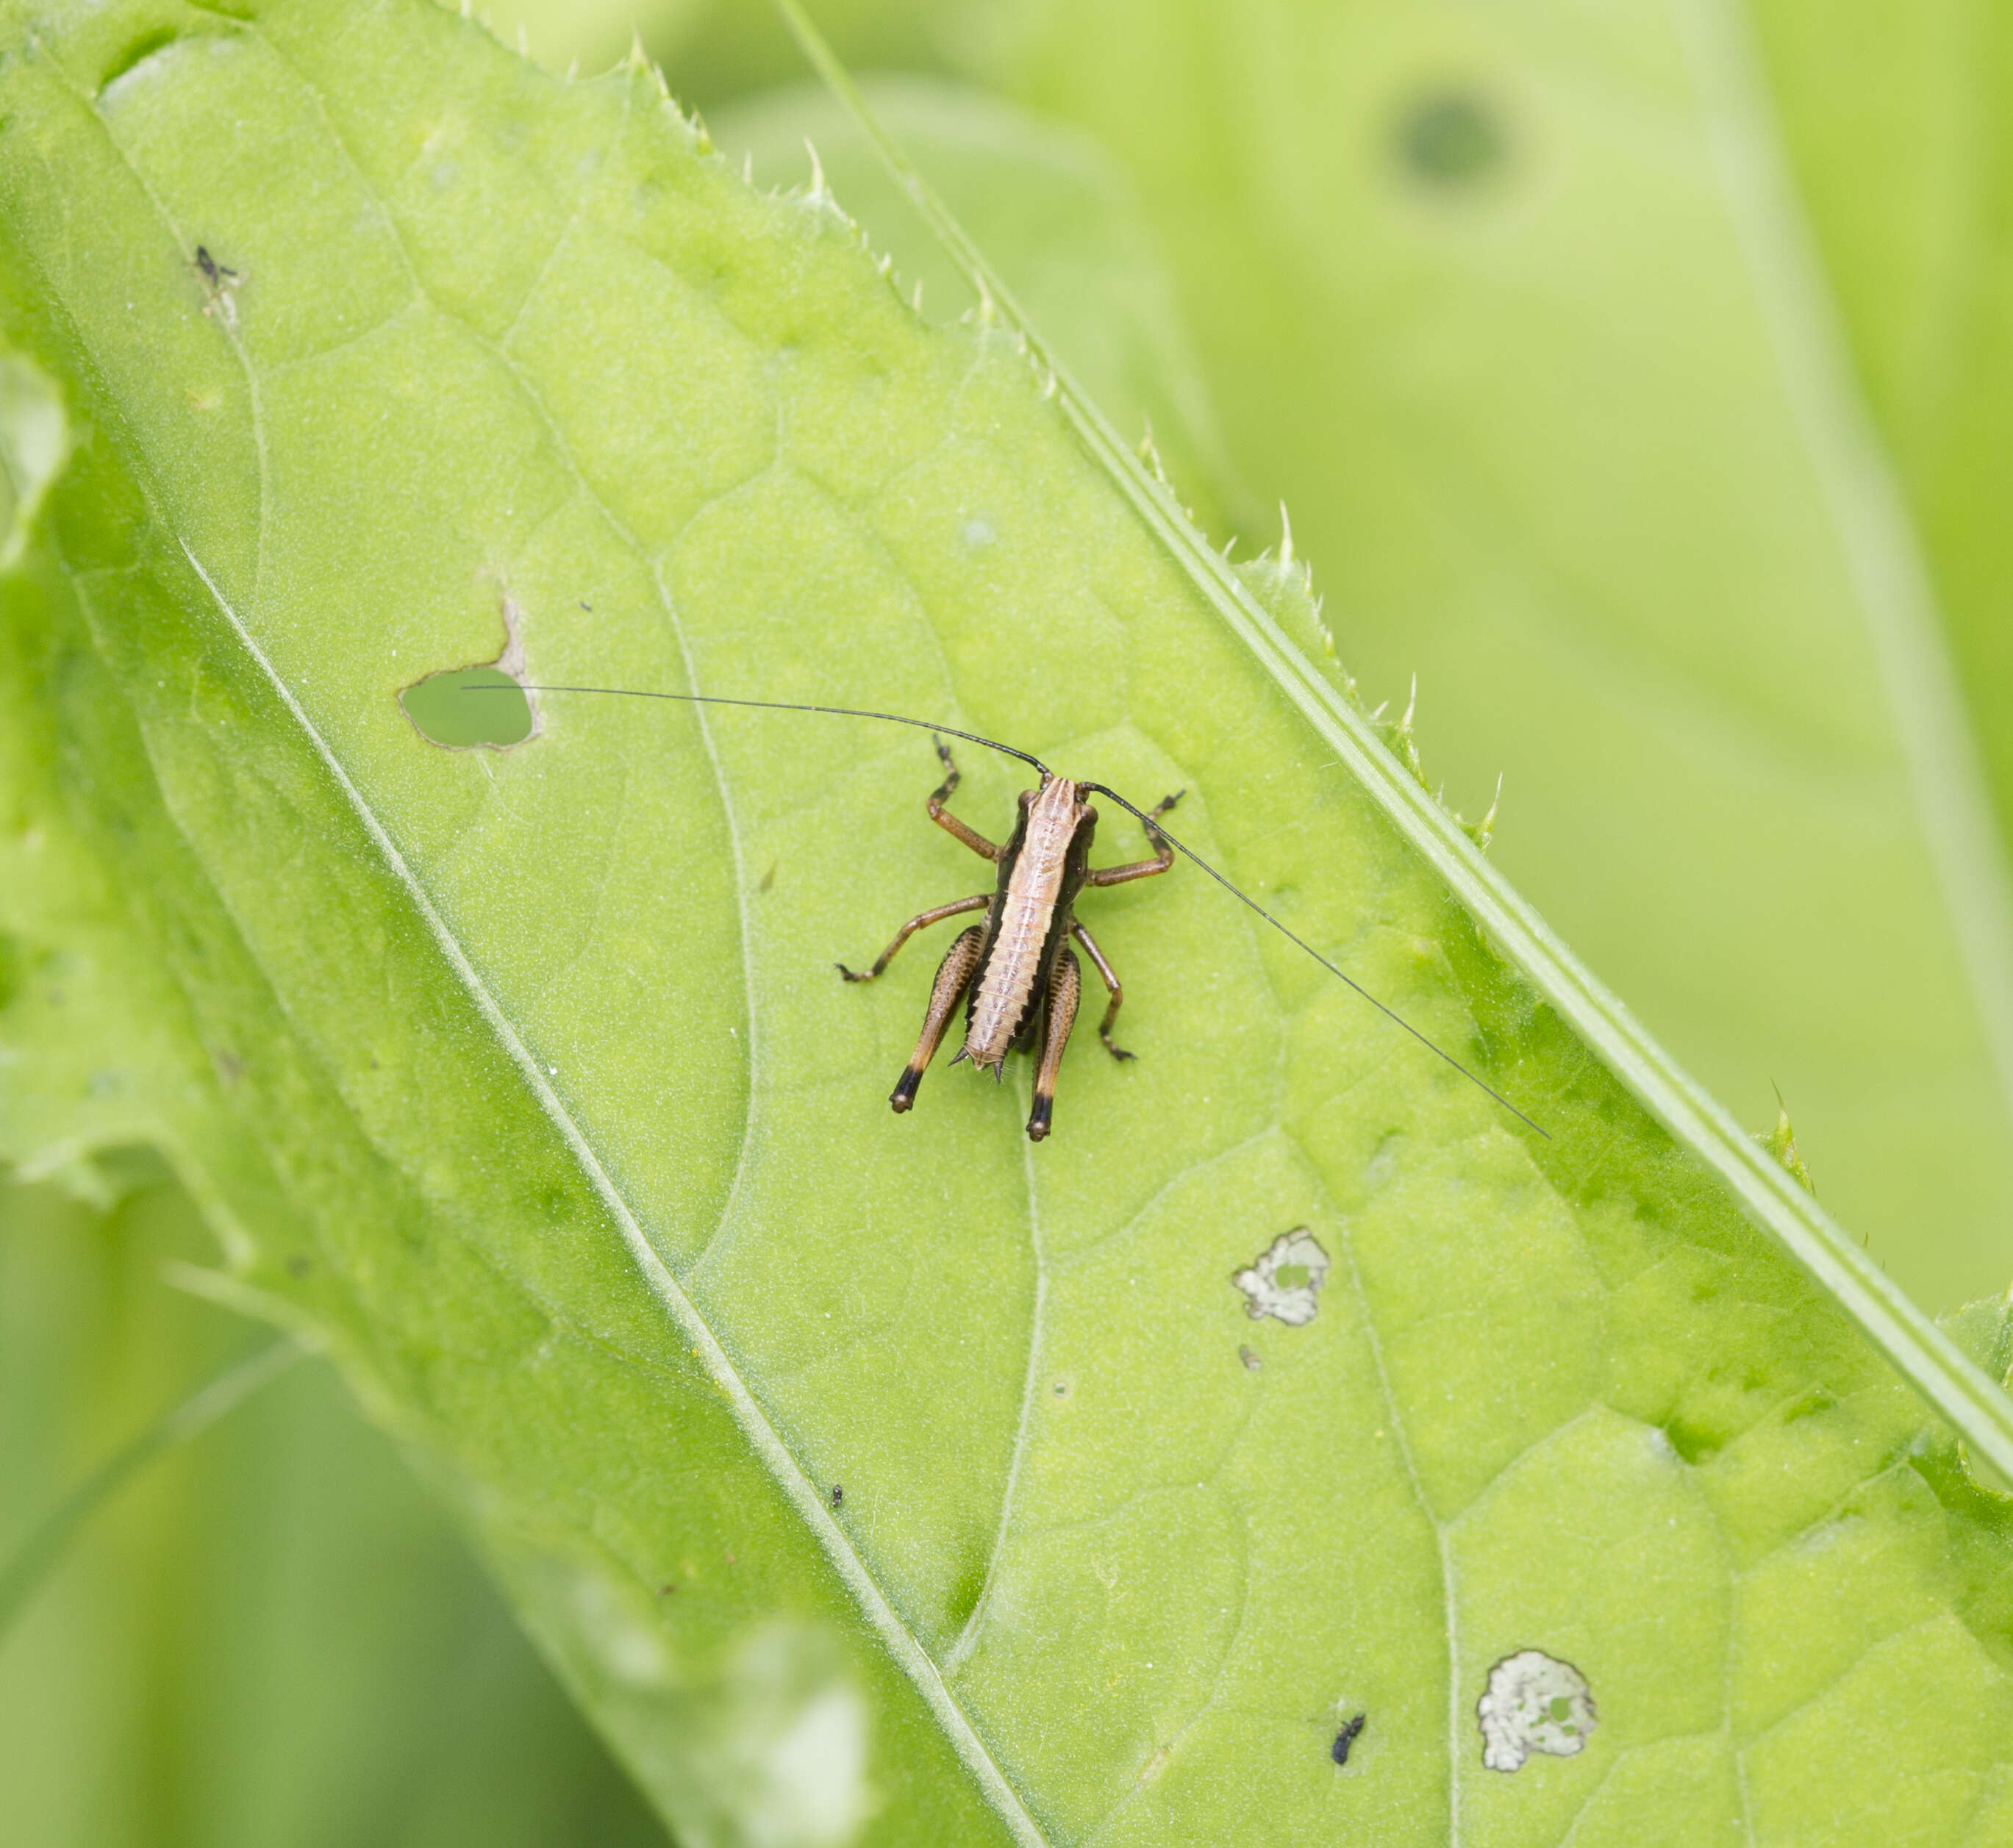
(1771, 1197)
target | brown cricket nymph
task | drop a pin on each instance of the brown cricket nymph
(1016, 973)
(1018, 978)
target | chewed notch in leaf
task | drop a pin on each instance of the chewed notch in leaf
(1534, 1703)
(485, 705)
(438, 706)
(1285, 1280)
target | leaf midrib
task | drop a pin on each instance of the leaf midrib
(804, 1495)
(764, 1437)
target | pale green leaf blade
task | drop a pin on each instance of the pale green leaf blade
(1892, 127)
(557, 1123)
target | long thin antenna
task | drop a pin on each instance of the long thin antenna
(778, 706)
(1155, 829)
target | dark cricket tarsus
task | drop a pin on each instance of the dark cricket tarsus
(1155, 832)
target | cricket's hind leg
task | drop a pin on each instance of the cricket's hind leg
(1065, 989)
(954, 975)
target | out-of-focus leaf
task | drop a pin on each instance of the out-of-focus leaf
(521, 1075)
(1504, 303)
(268, 1640)
(1895, 124)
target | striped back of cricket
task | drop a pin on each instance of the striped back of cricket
(1005, 985)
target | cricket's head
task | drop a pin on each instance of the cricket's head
(1057, 806)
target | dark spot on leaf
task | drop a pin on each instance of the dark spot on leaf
(1694, 1442)
(837, 1495)
(455, 709)
(1347, 1738)
(297, 1267)
(213, 273)
(1451, 138)
(138, 52)
(965, 1588)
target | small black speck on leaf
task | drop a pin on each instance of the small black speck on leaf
(1347, 1738)
(298, 1266)
(837, 1494)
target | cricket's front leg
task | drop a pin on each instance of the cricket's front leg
(954, 974)
(945, 819)
(1065, 989)
(1163, 855)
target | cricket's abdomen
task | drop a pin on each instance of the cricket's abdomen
(1002, 995)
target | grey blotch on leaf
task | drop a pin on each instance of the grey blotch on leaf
(1285, 1280)
(1534, 1703)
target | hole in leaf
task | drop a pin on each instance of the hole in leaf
(457, 708)
(1451, 138)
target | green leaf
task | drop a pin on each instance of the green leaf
(1052, 213)
(269, 1636)
(1517, 310)
(519, 1075)
(1890, 126)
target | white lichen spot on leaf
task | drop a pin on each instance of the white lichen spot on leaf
(1534, 1703)
(1285, 1282)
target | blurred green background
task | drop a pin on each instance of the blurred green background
(1637, 376)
